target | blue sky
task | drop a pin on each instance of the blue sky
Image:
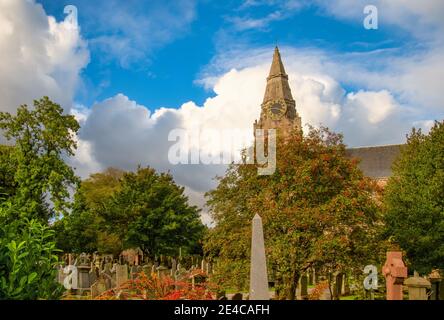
(164, 74)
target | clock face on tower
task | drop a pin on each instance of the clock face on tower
(277, 109)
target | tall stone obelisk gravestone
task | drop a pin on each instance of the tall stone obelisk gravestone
(258, 268)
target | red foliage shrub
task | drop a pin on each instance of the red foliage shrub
(152, 287)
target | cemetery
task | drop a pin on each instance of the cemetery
(94, 276)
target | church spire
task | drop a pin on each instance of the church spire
(277, 67)
(277, 81)
(278, 110)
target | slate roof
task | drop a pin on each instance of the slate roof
(376, 162)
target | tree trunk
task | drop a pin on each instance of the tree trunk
(291, 292)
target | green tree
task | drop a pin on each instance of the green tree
(115, 210)
(414, 199)
(83, 229)
(151, 212)
(43, 136)
(28, 259)
(317, 210)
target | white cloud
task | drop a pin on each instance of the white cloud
(38, 56)
(374, 106)
(246, 23)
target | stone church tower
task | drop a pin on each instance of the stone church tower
(278, 109)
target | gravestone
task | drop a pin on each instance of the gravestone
(61, 275)
(395, 272)
(258, 267)
(93, 275)
(303, 287)
(108, 276)
(208, 269)
(345, 285)
(173, 268)
(83, 273)
(310, 277)
(436, 282)
(337, 286)
(417, 287)
(162, 271)
(121, 274)
(146, 269)
(133, 272)
(98, 288)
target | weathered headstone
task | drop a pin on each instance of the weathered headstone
(61, 275)
(436, 281)
(417, 287)
(395, 272)
(303, 287)
(202, 265)
(198, 279)
(258, 267)
(146, 269)
(133, 272)
(92, 275)
(337, 287)
(121, 274)
(83, 273)
(173, 267)
(208, 268)
(162, 271)
(108, 276)
(310, 277)
(98, 288)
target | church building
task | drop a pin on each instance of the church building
(278, 111)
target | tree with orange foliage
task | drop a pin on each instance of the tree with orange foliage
(318, 210)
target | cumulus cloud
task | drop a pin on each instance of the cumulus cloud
(38, 56)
